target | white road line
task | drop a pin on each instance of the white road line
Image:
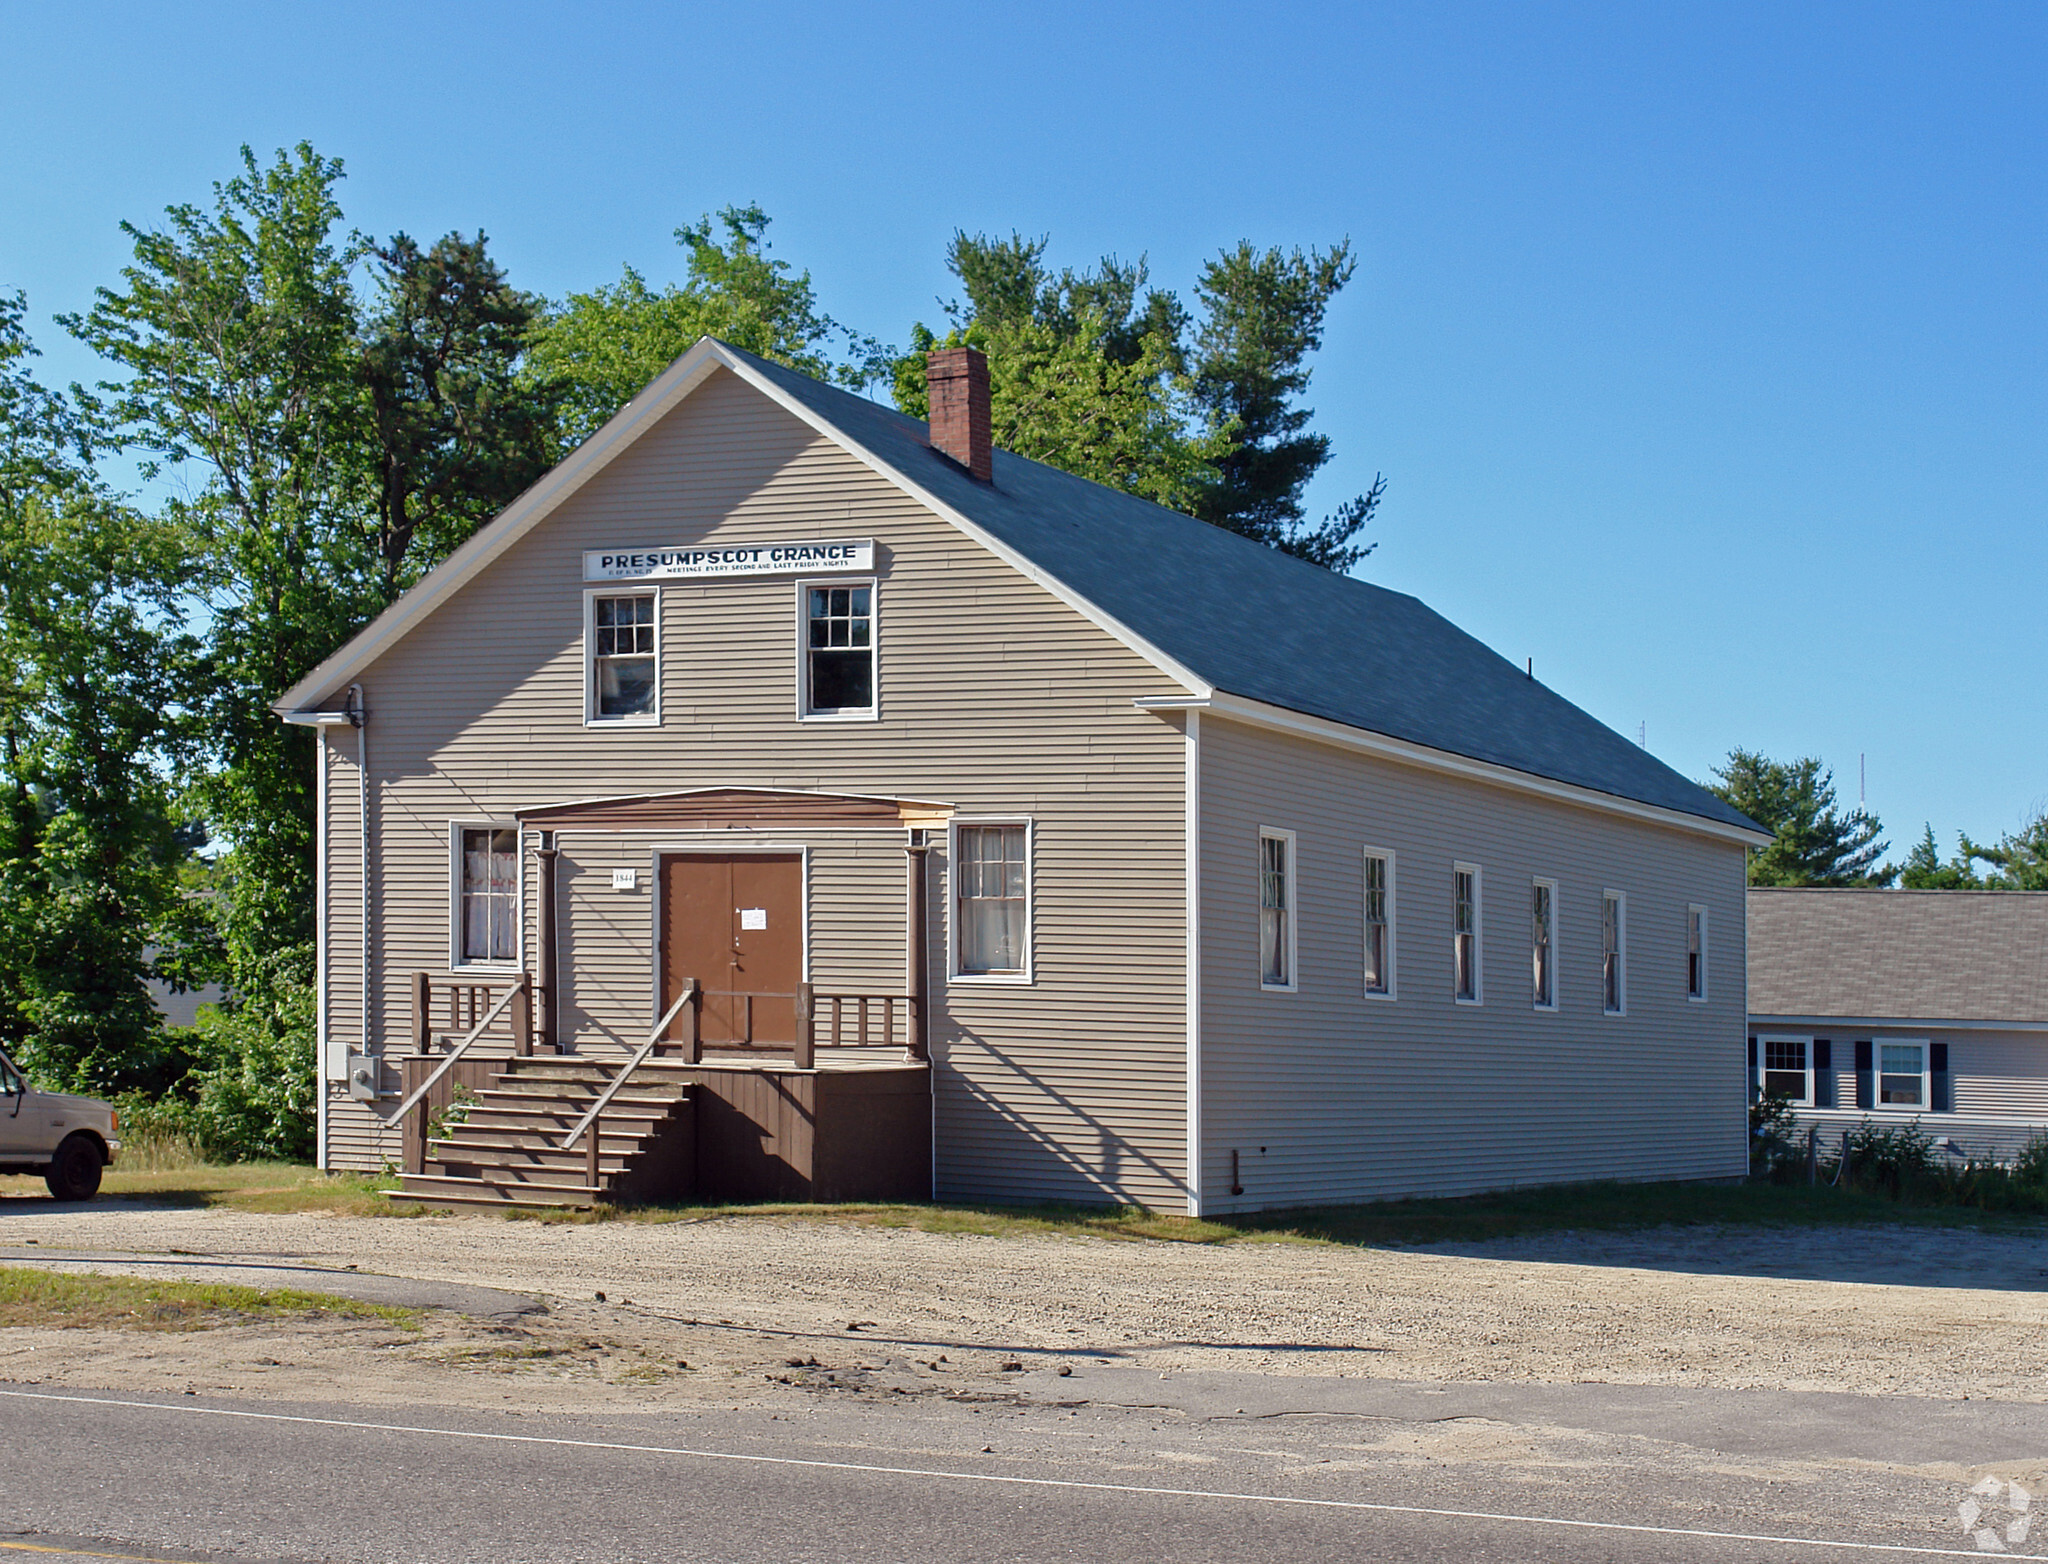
(996, 1477)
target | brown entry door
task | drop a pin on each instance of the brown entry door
(734, 922)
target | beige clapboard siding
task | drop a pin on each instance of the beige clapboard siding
(1327, 1095)
(995, 698)
(1995, 1073)
(344, 899)
(359, 1137)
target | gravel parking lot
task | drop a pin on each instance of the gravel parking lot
(747, 1302)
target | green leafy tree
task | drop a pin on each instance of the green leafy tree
(602, 348)
(1262, 315)
(1816, 842)
(1084, 369)
(2020, 860)
(455, 431)
(89, 657)
(1924, 869)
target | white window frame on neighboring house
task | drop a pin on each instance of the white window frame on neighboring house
(1764, 1071)
(1696, 953)
(458, 961)
(1477, 933)
(1878, 1072)
(592, 717)
(955, 941)
(1618, 1005)
(1545, 891)
(806, 711)
(1389, 962)
(1290, 911)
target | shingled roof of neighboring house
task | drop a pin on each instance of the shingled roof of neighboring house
(1260, 624)
(1899, 955)
(1226, 611)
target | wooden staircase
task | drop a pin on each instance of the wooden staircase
(508, 1150)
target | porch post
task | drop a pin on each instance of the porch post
(917, 1035)
(544, 959)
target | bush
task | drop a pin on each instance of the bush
(1772, 1128)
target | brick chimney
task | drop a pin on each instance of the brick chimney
(957, 380)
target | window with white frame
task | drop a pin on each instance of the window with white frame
(1465, 932)
(1543, 944)
(839, 649)
(1276, 909)
(622, 634)
(486, 895)
(1695, 953)
(992, 899)
(1614, 953)
(1901, 1074)
(1379, 923)
(1787, 1069)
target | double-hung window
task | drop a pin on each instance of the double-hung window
(1543, 944)
(1379, 923)
(992, 900)
(1276, 909)
(1466, 984)
(1787, 1066)
(624, 679)
(1614, 953)
(838, 649)
(1901, 1075)
(1695, 953)
(486, 895)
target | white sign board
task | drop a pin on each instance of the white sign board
(743, 559)
(625, 879)
(753, 917)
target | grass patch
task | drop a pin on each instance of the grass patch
(30, 1297)
(276, 1187)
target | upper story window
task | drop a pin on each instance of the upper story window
(622, 634)
(1614, 953)
(992, 896)
(1695, 953)
(1543, 944)
(1276, 909)
(1465, 934)
(839, 650)
(487, 894)
(1379, 923)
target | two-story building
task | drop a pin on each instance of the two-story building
(1149, 864)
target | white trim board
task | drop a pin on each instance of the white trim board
(1278, 719)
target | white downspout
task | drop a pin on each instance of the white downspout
(320, 1027)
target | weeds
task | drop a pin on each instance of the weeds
(64, 1301)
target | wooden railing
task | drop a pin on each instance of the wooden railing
(462, 998)
(517, 998)
(589, 1121)
(827, 1020)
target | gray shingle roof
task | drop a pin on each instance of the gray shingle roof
(1904, 955)
(1255, 623)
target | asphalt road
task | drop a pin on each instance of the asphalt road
(1582, 1478)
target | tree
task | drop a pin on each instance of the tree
(2021, 857)
(1815, 843)
(1084, 373)
(455, 431)
(1262, 315)
(89, 648)
(1924, 870)
(604, 347)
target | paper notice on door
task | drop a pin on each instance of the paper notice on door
(753, 917)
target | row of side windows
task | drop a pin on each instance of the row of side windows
(1278, 871)
(1905, 1073)
(835, 653)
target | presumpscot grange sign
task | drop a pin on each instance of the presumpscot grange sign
(766, 559)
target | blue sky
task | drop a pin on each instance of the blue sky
(1702, 346)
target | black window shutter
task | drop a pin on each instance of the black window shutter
(1937, 1066)
(1756, 1081)
(1823, 1073)
(1866, 1088)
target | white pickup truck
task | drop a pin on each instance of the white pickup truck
(69, 1140)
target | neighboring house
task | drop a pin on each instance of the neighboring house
(1242, 884)
(1891, 1006)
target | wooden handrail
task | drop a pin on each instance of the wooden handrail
(654, 1040)
(447, 1063)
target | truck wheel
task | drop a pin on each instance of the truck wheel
(74, 1173)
